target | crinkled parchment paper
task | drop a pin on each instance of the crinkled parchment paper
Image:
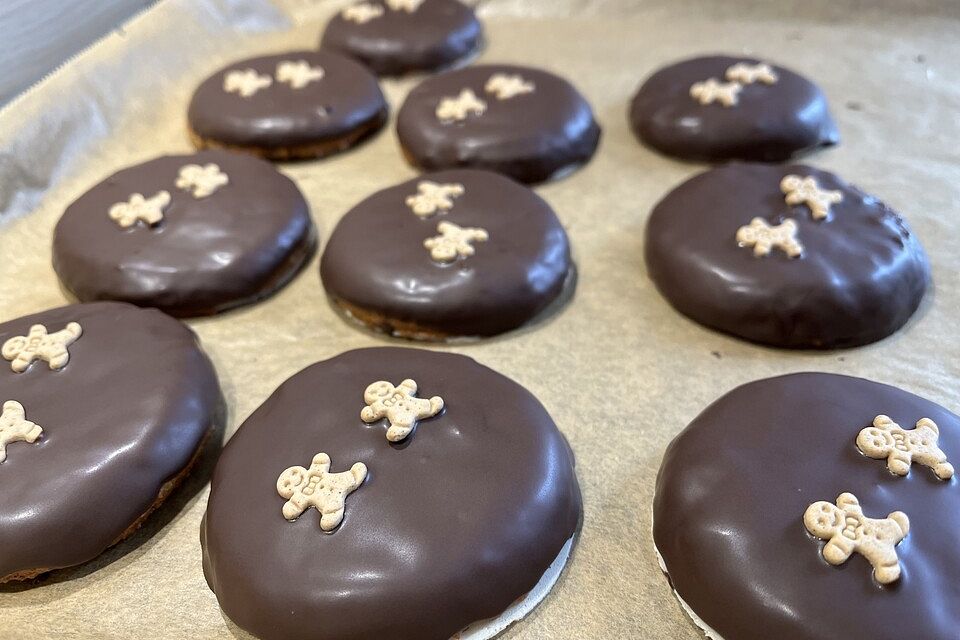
(620, 371)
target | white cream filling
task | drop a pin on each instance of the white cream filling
(707, 629)
(486, 629)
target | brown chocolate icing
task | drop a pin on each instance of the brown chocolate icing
(729, 504)
(345, 101)
(232, 247)
(771, 123)
(530, 138)
(438, 34)
(376, 260)
(450, 527)
(124, 415)
(860, 278)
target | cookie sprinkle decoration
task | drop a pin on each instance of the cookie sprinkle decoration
(454, 241)
(40, 345)
(149, 210)
(432, 197)
(298, 74)
(764, 238)
(506, 86)
(728, 93)
(317, 487)
(246, 82)
(848, 531)
(201, 181)
(457, 109)
(712, 90)
(14, 427)
(410, 6)
(399, 405)
(362, 12)
(887, 440)
(804, 190)
(746, 73)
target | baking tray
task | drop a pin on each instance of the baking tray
(618, 369)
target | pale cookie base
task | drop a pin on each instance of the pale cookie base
(396, 328)
(707, 629)
(165, 490)
(486, 629)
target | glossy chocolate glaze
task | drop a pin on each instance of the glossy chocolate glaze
(438, 34)
(530, 138)
(124, 416)
(729, 504)
(512, 277)
(771, 123)
(345, 101)
(450, 527)
(861, 276)
(232, 247)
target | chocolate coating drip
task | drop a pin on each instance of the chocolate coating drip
(513, 276)
(326, 115)
(124, 416)
(436, 35)
(860, 277)
(232, 247)
(530, 138)
(730, 499)
(450, 527)
(770, 122)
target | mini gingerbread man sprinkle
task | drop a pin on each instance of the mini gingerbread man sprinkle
(246, 82)
(457, 109)
(848, 531)
(14, 427)
(298, 74)
(40, 345)
(712, 90)
(317, 487)
(763, 238)
(149, 210)
(454, 241)
(399, 405)
(409, 6)
(433, 197)
(507, 86)
(805, 191)
(201, 181)
(901, 447)
(746, 73)
(362, 12)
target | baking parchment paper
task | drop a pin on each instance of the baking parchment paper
(619, 370)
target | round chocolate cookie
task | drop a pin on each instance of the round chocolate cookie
(790, 509)
(192, 235)
(299, 104)
(460, 253)
(348, 507)
(105, 407)
(523, 122)
(394, 37)
(788, 256)
(721, 108)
